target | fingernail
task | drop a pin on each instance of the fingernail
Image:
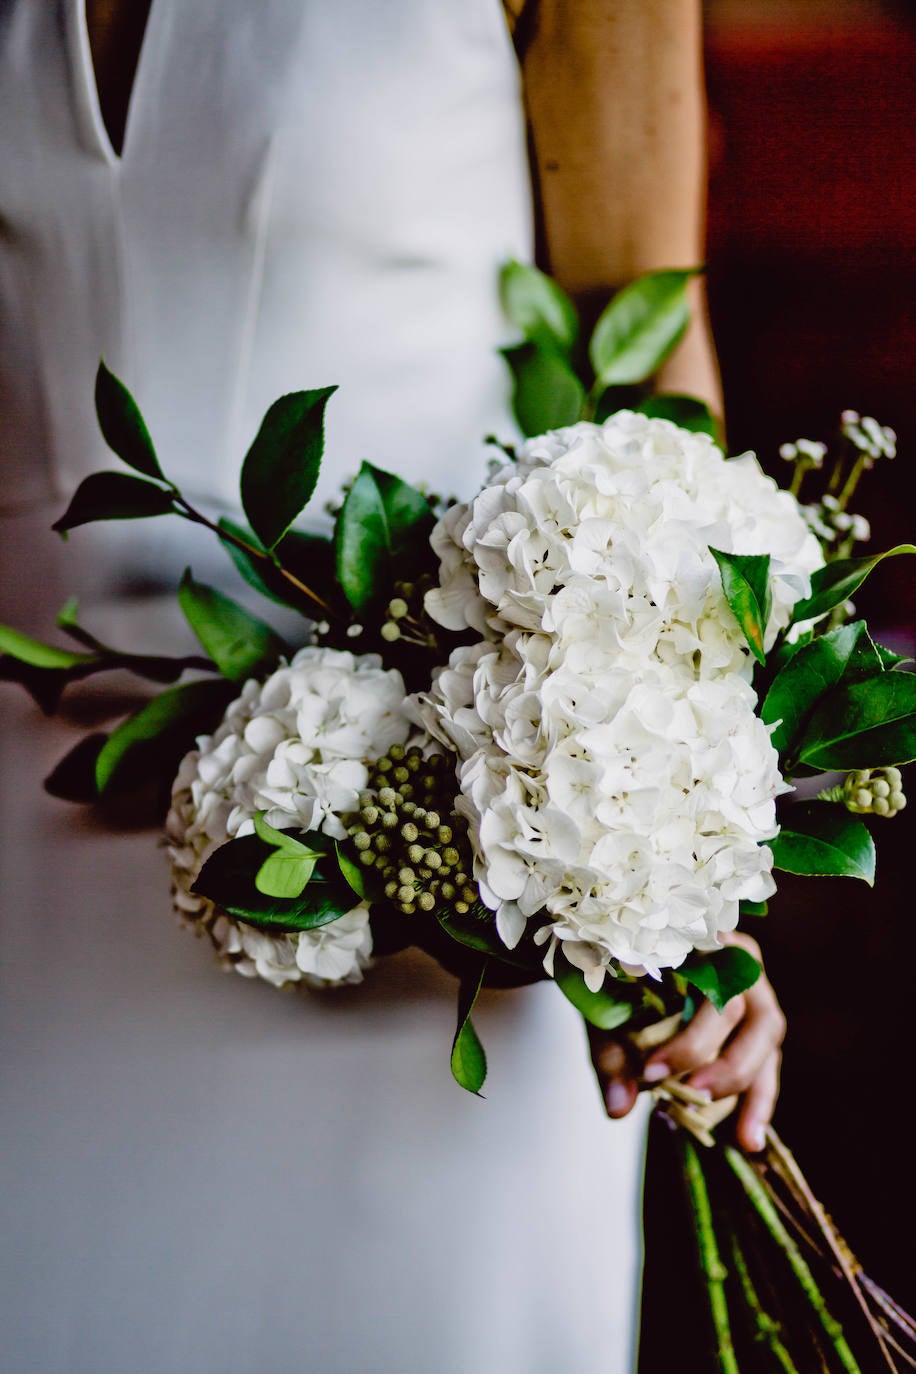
(654, 1073)
(757, 1137)
(612, 1059)
(617, 1098)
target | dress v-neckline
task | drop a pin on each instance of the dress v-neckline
(87, 82)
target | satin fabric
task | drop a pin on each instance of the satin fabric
(201, 1173)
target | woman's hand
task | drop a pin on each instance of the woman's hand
(733, 1051)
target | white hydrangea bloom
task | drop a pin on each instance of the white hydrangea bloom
(613, 771)
(295, 746)
(627, 508)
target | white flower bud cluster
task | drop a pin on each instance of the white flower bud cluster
(297, 747)
(830, 523)
(872, 439)
(810, 452)
(613, 772)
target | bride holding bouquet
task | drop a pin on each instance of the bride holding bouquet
(228, 201)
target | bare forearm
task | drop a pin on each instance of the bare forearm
(616, 106)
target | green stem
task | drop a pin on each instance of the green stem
(188, 512)
(768, 1328)
(802, 465)
(852, 481)
(838, 1249)
(714, 1270)
(590, 404)
(769, 1216)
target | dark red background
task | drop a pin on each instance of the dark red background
(812, 281)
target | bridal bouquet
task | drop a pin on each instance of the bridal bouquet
(553, 732)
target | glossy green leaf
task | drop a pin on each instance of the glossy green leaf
(123, 427)
(640, 327)
(259, 575)
(835, 583)
(546, 393)
(228, 879)
(351, 872)
(381, 520)
(812, 671)
(281, 467)
(240, 644)
(287, 871)
(821, 839)
(284, 875)
(538, 307)
(38, 655)
(686, 411)
(746, 583)
(73, 777)
(476, 929)
(114, 496)
(162, 730)
(752, 908)
(469, 1061)
(607, 1008)
(721, 974)
(865, 724)
(282, 839)
(889, 658)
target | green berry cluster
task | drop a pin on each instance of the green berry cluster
(874, 791)
(419, 860)
(406, 620)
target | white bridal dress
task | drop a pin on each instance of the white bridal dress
(202, 1175)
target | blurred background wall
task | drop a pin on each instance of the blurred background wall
(812, 281)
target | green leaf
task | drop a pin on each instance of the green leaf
(288, 870)
(351, 873)
(812, 671)
(476, 929)
(546, 392)
(538, 306)
(686, 411)
(282, 839)
(890, 659)
(73, 778)
(123, 427)
(722, 974)
(746, 583)
(239, 644)
(114, 496)
(381, 520)
(823, 840)
(752, 908)
(284, 875)
(469, 1062)
(640, 327)
(863, 724)
(309, 557)
(281, 467)
(835, 583)
(228, 879)
(606, 1008)
(162, 730)
(38, 655)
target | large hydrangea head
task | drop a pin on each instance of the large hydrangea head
(297, 747)
(618, 785)
(611, 525)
